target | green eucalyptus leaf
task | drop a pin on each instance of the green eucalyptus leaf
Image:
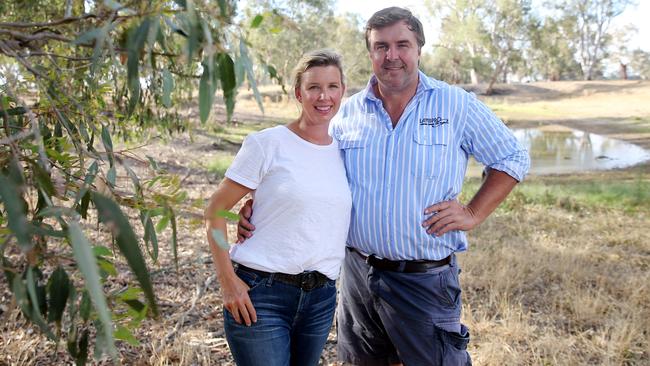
(91, 173)
(106, 267)
(134, 179)
(168, 86)
(136, 305)
(18, 224)
(133, 77)
(130, 293)
(19, 290)
(153, 163)
(87, 264)
(71, 343)
(111, 176)
(227, 215)
(113, 5)
(250, 75)
(85, 306)
(127, 242)
(108, 144)
(150, 237)
(223, 8)
(82, 199)
(220, 239)
(82, 354)
(47, 230)
(135, 44)
(59, 291)
(206, 94)
(87, 37)
(99, 250)
(124, 334)
(163, 222)
(13, 111)
(174, 237)
(43, 179)
(257, 21)
(38, 303)
(228, 82)
(83, 207)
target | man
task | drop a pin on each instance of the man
(405, 140)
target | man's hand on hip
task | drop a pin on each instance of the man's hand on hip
(447, 216)
(244, 227)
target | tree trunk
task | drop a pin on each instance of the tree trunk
(622, 71)
(472, 72)
(474, 76)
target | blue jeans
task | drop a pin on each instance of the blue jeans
(292, 324)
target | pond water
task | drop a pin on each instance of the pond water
(557, 149)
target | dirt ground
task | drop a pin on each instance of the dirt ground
(189, 330)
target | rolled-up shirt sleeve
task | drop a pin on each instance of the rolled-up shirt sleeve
(491, 143)
(249, 166)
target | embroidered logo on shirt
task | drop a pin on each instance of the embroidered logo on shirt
(433, 122)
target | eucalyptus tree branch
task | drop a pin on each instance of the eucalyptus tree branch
(68, 20)
(35, 128)
(189, 76)
(45, 35)
(49, 54)
(7, 50)
(16, 137)
(65, 20)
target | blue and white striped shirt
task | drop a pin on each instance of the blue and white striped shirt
(395, 173)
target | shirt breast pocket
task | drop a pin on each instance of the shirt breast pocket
(430, 147)
(353, 151)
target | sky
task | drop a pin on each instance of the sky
(636, 15)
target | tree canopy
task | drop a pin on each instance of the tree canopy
(76, 75)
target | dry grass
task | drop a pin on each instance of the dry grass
(546, 285)
(552, 278)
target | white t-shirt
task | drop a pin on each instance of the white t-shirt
(301, 207)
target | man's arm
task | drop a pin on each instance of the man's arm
(244, 227)
(452, 215)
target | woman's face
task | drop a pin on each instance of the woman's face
(320, 93)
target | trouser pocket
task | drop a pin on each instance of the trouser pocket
(454, 347)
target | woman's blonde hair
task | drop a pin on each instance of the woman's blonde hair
(322, 57)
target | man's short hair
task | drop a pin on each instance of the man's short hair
(389, 16)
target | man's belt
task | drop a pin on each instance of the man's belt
(419, 266)
(306, 281)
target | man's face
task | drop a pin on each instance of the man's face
(394, 54)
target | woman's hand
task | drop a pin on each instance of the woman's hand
(234, 292)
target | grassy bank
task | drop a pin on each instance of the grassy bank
(559, 274)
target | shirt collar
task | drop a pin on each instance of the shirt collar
(424, 83)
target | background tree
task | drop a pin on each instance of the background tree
(620, 53)
(506, 24)
(640, 63)
(289, 28)
(462, 34)
(75, 75)
(588, 23)
(550, 55)
(346, 35)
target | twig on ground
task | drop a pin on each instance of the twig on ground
(200, 291)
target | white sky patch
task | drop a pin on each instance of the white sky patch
(636, 15)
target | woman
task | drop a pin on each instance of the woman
(279, 290)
